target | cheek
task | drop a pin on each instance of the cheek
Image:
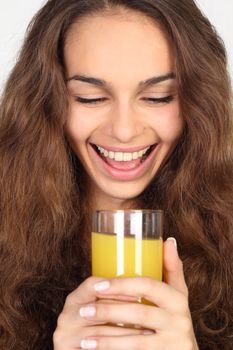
(78, 126)
(72, 131)
(169, 124)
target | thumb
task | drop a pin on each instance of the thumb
(173, 266)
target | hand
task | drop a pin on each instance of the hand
(72, 328)
(169, 319)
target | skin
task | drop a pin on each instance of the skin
(169, 319)
(123, 51)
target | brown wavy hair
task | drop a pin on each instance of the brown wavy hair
(44, 204)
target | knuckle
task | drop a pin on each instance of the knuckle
(57, 338)
(87, 285)
(89, 281)
(60, 320)
(71, 298)
(148, 283)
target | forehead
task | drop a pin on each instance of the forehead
(116, 44)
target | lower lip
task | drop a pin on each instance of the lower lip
(124, 175)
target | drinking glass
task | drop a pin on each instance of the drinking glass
(127, 243)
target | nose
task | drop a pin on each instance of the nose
(125, 124)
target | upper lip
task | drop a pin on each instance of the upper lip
(120, 149)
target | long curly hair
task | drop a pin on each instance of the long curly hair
(44, 204)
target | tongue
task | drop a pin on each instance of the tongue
(123, 165)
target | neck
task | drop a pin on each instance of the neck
(101, 201)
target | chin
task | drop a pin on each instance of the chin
(126, 192)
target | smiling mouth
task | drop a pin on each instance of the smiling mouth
(124, 157)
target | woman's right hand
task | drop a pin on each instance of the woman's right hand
(72, 328)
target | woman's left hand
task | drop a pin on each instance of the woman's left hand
(169, 319)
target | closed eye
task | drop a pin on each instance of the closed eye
(90, 100)
(151, 100)
(156, 100)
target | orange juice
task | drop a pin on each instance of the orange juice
(126, 256)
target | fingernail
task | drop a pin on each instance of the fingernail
(88, 344)
(173, 240)
(87, 311)
(101, 286)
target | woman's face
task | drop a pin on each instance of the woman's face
(121, 128)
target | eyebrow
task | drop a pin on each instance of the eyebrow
(104, 84)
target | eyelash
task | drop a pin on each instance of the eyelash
(165, 99)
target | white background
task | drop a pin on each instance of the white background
(15, 16)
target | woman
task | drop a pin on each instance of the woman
(116, 104)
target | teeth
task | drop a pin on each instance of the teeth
(122, 156)
(119, 156)
(140, 153)
(111, 155)
(127, 157)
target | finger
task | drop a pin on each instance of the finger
(86, 293)
(122, 298)
(91, 320)
(149, 317)
(123, 343)
(72, 315)
(112, 330)
(173, 267)
(113, 301)
(71, 338)
(159, 293)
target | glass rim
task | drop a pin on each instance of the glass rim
(129, 211)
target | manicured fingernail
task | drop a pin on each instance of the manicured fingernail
(101, 286)
(88, 344)
(173, 240)
(87, 311)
